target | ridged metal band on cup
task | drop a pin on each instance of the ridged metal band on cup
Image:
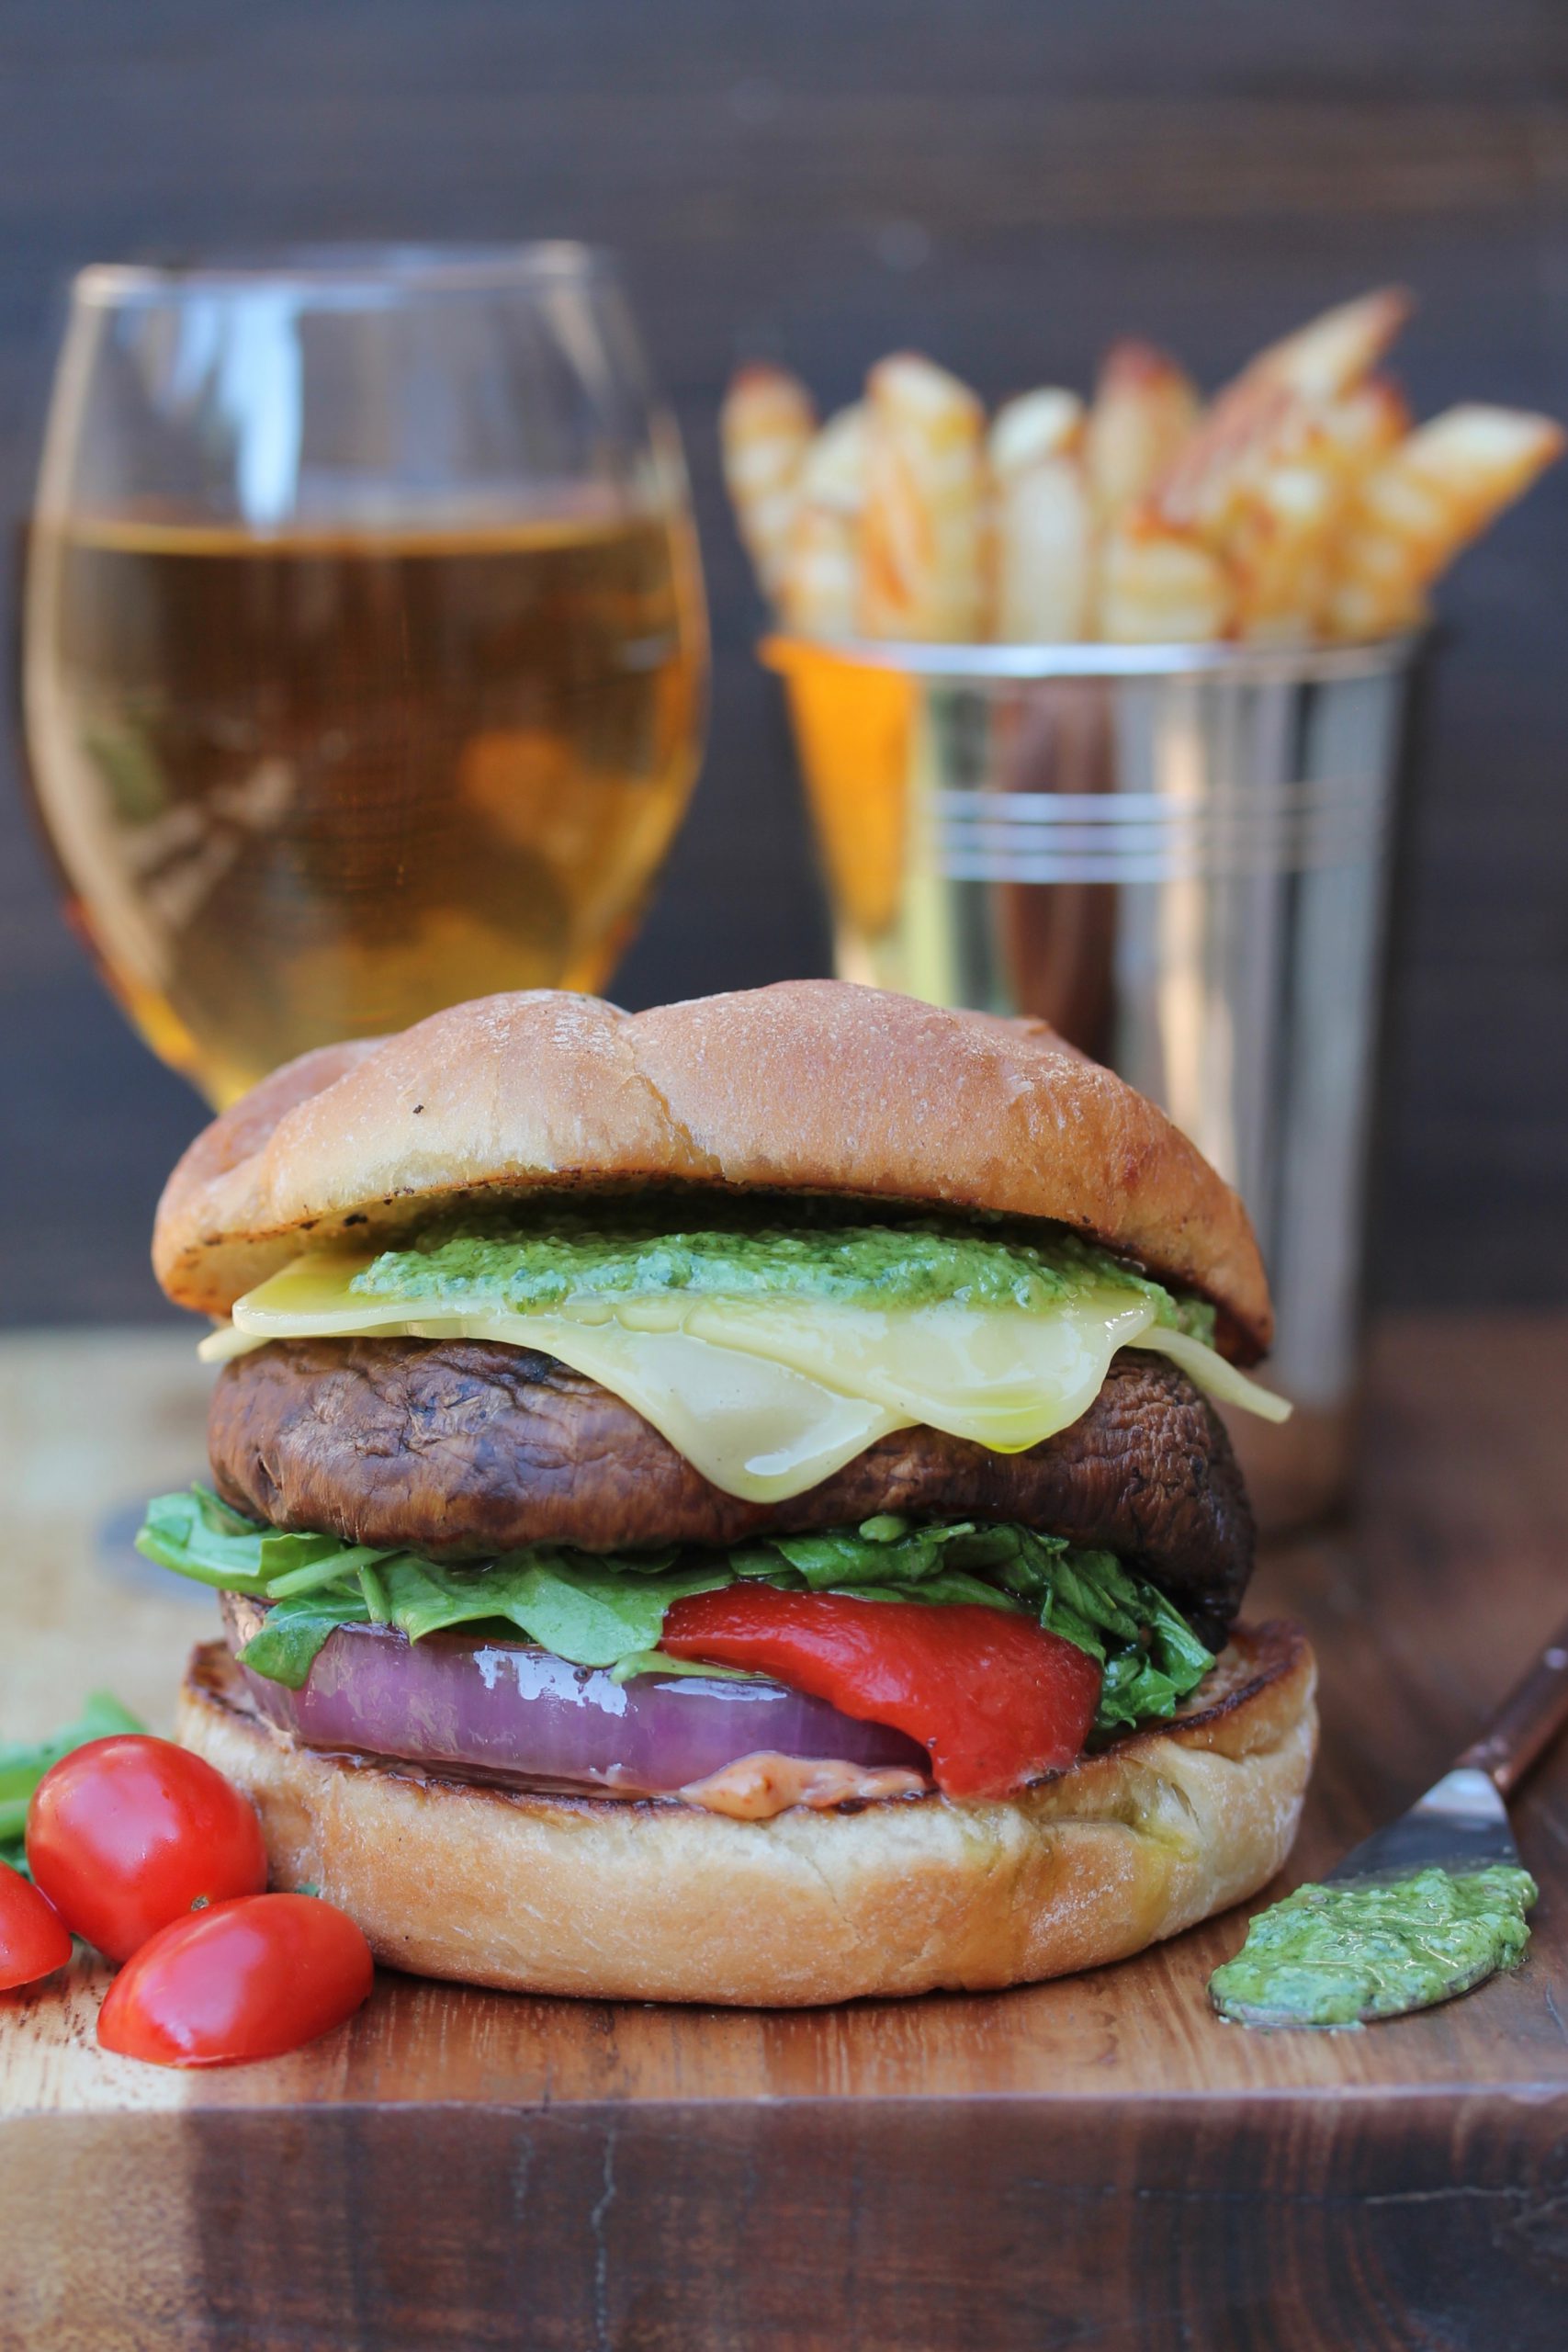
(1013, 837)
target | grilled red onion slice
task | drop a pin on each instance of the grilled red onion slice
(505, 1711)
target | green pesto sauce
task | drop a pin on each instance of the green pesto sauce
(522, 1265)
(1334, 1955)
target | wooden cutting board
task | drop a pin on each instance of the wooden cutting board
(1091, 2163)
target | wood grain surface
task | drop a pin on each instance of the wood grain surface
(1006, 185)
(1096, 2162)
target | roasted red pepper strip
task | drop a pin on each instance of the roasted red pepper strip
(995, 1699)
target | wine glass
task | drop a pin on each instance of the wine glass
(364, 657)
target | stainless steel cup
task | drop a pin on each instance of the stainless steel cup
(1178, 856)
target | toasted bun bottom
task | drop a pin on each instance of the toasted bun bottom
(650, 1901)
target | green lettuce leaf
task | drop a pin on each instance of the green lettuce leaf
(588, 1609)
(655, 1662)
(293, 1633)
(591, 1610)
(607, 1608)
(24, 1763)
(1151, 1655)
(197, 1535)
(882, 1551)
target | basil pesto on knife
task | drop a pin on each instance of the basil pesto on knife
(1367, 1949)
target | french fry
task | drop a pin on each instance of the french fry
(1300, 505)
(1335, 350)
(1261, 483)
(921, 570)
(1145, 408)
(1160, 585)
(1043, 529)
(1412, 512)
(821, 577)
(1361, 427)
(765, 428)
(1033, 429)
(1259, 413)
(1282, 536)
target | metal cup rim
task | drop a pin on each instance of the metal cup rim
(1002, 664)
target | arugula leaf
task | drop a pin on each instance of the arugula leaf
(23, 1764)
(595, 1615)
(293, 1633)
(655, 1662)
(591, 1611)
(607, 1610)
(1142, 1683)
(1150, 1654)
(941, 1591)
(880, 1551)
(197, 1535)
(329, 1568)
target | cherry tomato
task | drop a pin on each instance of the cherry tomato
(34, 1938)
(246, 1979)
(995, 1699)
(126, 1834)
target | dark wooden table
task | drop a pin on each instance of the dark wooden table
(1092, 2163)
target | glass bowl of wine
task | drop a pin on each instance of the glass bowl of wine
(364, 648)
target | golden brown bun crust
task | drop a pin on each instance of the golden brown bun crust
(658, 1902)
(812, 1086)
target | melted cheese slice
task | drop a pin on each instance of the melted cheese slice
(767, 1397)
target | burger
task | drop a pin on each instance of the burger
(726, 1503)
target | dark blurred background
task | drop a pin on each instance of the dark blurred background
(1007, 183)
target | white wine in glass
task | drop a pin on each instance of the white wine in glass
(363, 651)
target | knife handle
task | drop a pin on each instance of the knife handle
(1527, 1721)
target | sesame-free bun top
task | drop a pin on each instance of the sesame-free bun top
(812, 1086)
